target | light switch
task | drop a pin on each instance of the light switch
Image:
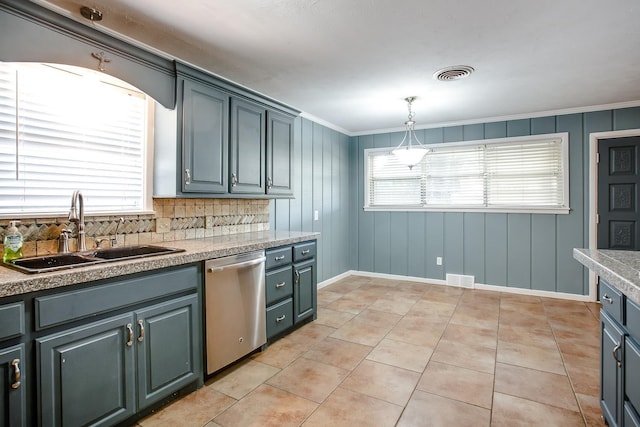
(316, 215)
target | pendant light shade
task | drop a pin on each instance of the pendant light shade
(410, 151)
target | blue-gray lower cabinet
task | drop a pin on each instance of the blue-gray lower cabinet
(14, 382)
(620, 358)
(304, 290)
(152, 350)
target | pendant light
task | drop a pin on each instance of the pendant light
(410, 154)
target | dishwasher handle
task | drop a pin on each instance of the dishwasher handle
(238, 265)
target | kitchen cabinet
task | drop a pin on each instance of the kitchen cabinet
(291, 281)
(279, 154)
(131, 360)
(620, 357)
(13, 365)
(248, 147)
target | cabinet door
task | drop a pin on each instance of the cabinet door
(279, 154)
(14, 381)
(204, 138)
(611, 371)
(86, 375)
(247, 158)
(304, 290)
(632, 373)
(168, 345)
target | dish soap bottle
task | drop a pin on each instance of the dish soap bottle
(12, 242)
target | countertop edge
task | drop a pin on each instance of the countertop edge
(618, 268)
(195, 250)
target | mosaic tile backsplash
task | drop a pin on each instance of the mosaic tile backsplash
(174, 219)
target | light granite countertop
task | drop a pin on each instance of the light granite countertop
(13, 282)
(621, 269)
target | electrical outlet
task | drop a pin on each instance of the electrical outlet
(316, 215)
(438, 260)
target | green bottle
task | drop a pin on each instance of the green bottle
(12, 242)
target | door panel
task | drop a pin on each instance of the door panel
(248, 141)
(12, 392)
(611, 376)
(304, 292)
(618, 191)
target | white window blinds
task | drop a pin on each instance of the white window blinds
(512, 174)
(63, 130)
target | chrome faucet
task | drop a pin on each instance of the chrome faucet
(76, 199)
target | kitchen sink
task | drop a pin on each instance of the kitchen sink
(45, 263)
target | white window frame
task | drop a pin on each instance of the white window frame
(564, 209)
(147, 166)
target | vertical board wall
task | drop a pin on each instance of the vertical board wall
(531, 251)
(321, 182)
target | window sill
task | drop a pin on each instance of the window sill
(548, 211)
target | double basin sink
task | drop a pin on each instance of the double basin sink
(41, 264)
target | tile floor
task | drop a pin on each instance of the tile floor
(397, 353)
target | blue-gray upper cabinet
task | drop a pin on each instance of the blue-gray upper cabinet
(31, 33)
(14, 381)
(204, 130)
(279, 153)
(247, 147)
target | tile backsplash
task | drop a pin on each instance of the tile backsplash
(174, 219)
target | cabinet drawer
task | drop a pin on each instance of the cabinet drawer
(57, 309)
(277, 257)
(279, 317)
(11, 320)
(279, 284)
(304, 251)
(612, 301)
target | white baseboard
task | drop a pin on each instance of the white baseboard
(480, 286)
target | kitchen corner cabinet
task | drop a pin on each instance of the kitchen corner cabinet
(13, 365)
(620, 358)
(231, 142)
(291, 287)
(129, 360)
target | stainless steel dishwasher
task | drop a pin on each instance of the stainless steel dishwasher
(235, 308)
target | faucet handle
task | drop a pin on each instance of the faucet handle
(63, 241)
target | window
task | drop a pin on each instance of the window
(524, 174)
(64, 129)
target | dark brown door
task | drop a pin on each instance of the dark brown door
(618, 192)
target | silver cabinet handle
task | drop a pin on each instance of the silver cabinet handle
(306, 252)
(239, 265)
(101, 56)
(15, 364)
(280, 318)
(141, 336)
(130, 333)
(187, 176)
(279, 258)
(269, 182)
(297, 274)
(280, 285)
(615, 354)
(234, 180)
(607, 298)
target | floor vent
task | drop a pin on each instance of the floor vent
(461, 280)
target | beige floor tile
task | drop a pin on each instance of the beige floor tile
(388, 383)
(281, 353)
(587, 356)
(468, 356)
(309, 379)
(585, 380)
(539, 386)
(345, 408)
(429, 410)
(476, 317)
(195, 409)
(388, 305)
(326, 297)
(441, 310)
(401, 354)
(368, 328)
(348, 305)
(333, 318)
(267, 407)
(340, 353)
(242, 378)
(529, 356)
(310, 333)
(458, 383)
(477, 296)
(511, 411)
(471, 335)
(590, 406)
(418, 331)
(538, 335)
(526, 320)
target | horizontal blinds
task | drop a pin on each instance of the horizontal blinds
(60, 132)
(525, 174)
(497, 175)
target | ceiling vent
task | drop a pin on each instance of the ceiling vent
(453, 73)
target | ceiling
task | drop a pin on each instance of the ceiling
(350, 63)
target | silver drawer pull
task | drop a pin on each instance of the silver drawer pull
(607, 298)
(306, 252)
(280, 318)
(15, 364)
(280, 285)
(615, 354)
(141, 336)
(279, 258)
(129, 334)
